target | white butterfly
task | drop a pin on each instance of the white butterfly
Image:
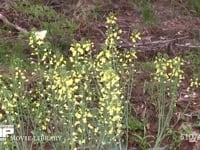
(40, 35)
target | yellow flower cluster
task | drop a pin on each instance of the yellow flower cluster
(81, 52)
(127, 61)
(79, 97)
(37, 38)
(70, 89)
(195, 83)
(111, 20)
(113, 32)
(53, 95)
(169, 70)
(13, 96)
(111, 108)
(123, 61)
(135, 37)
(110, 65)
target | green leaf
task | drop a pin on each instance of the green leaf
(135, 124)
(186, 128)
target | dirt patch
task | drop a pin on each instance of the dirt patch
(174, 22)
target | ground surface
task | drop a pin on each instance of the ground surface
(175, 24)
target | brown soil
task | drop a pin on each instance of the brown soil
(174, 21)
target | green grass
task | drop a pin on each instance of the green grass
(65, 90)
(60, 28)
(147, 13)
(193, 59)
(195, 6)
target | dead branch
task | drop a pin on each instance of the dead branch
(6, 21)
(188, 45)
(159, 44)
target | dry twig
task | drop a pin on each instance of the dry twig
(6, 21)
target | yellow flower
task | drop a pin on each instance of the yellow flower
(69, 82)
(137, 36)
(108, 54)
(80, 50)
(78, 115)
(44, 127)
